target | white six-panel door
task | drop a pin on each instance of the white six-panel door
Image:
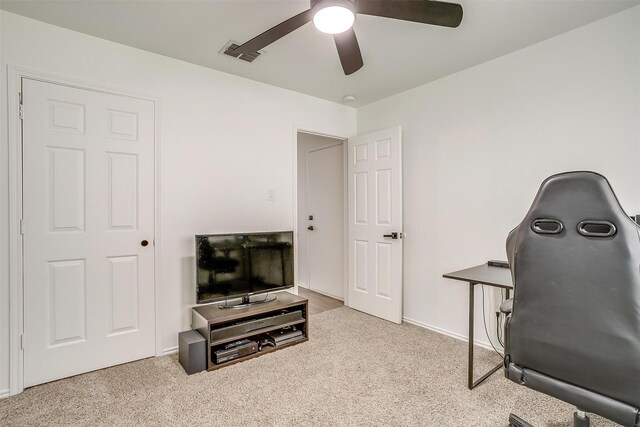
(325, 201)
(375, 210)
(88, 203)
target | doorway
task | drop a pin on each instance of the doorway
(366, 256)
(321, 214)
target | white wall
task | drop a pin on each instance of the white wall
(306, 142)
(223, 141)
(477, 145)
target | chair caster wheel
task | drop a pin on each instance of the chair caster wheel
(581, 420)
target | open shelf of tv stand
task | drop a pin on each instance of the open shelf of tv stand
(208, 317)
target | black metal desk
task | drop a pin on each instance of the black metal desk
(481, 275)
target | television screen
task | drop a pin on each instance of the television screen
(237, 265)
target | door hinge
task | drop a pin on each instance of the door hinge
(21, 341)
(22, 226)
(20, 107)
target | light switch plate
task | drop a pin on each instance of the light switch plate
(271, 194)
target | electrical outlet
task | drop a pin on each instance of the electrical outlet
(271, 194)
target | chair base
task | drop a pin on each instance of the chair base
(580, 419)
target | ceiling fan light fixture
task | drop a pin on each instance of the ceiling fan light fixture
(334, 17)
(337, 17)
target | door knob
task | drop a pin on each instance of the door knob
(310, 228)
(144, 243)
(394, 235)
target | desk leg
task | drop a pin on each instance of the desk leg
(471, 316)
(470, 383)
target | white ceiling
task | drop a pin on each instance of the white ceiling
(398, 55)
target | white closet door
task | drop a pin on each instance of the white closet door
(88, 202)
(375, 214)
(325, 202)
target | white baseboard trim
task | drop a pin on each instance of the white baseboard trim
(4, 393)
(322, 293)
(169, 350)
(328, 295)
(303, 285)
(447, 333)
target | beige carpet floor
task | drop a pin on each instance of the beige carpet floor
(356, 370)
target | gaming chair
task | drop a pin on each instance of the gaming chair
(573, 325)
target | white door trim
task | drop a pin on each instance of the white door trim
(16, 285)
(294, 142)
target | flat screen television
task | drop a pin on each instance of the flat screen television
(230, 266)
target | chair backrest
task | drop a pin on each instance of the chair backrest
(575, 260)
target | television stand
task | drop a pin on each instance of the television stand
(246, 301)
(255, 323)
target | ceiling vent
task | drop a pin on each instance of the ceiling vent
(247, 57)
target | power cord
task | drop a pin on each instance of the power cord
(484, 321)
(499, 328)
(500, 322)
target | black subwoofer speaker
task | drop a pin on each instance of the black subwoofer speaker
(192, 351)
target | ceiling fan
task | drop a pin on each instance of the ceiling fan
(337, 16)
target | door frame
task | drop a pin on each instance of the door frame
(16, 260)
(344, 141)
(335, 143)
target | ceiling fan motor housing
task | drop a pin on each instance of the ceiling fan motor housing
(316, 5)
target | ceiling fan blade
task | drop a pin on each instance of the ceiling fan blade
(349, 51)
(275, 33)
(424, 11)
